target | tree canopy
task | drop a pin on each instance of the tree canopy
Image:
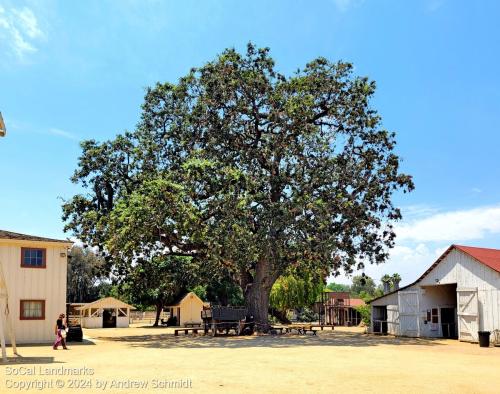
(246, 170)
(294, 291)
(83, 275)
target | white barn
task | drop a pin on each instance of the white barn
(104, 313)
(35, 274)
(456, 297)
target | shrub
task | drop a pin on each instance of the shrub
(365, 311)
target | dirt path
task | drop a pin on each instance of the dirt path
(339, 361)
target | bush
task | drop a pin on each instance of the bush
(366, 312)
(307, 315)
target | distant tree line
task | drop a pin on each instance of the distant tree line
(364, 287)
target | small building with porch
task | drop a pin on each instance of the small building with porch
(104, 313)
(338, 308)
(456, 297)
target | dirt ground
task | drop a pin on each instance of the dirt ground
(345, 360)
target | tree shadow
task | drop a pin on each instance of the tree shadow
(19, 360)
(339, 339)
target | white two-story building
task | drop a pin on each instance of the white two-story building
(35, 273)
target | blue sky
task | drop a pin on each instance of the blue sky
(77, 70)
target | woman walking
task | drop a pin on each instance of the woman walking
(59, 329)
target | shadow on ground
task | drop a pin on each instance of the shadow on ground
(19, 360)
(168, 341)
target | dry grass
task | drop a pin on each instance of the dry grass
(345, 360)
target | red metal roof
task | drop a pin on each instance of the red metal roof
(356, 302)
(489, 257)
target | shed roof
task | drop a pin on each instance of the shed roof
(108, 302)
(4, 234)
(487, 256)
(180, 298)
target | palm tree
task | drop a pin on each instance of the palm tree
(386, 281)
(396, 278)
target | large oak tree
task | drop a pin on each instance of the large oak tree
(249, 171)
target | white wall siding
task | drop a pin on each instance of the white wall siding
(389, 299)
(462, 271)
(122, 321)
(47, 284)
(489, 309)
(92, 322)
(465, 271)
(191, 307)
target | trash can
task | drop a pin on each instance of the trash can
(484, 338)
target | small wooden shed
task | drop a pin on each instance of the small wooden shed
(105, 313)
(187, 308)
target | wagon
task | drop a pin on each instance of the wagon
(220, 319)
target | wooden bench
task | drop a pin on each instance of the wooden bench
(323, 325)
(280, 329)
(192, 325)
(186, 331)
(302, 330)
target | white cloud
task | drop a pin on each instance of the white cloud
(19, 31)
(463, 225)
(418, 211)
(63, 133)
(426, 233)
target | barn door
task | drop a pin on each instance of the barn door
(409, 324)
(393, 319)
(468, 316)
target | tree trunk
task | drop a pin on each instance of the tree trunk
(257, 295)
(281, 316)
(159, 307)
(257, 302)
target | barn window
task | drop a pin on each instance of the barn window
(435, 315)
(32, 310)
(33, 258)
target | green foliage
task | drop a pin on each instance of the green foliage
(365, 311)
(224, 291)
(83, 275)
(391, 281)
(246, 171)
(200, 291)
(292, 292)
(386, 279)
(160, 280)
(307, 315)
(338, 287)
(362, 285)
